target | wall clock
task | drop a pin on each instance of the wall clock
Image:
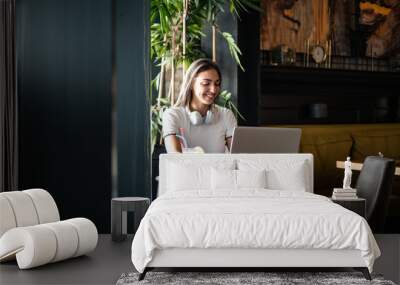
(318, 54)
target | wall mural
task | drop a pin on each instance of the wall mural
(346, 34)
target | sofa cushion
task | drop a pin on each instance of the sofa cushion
(7, 215)
(23, 207)
(40, 244)
(26, 208)
(45, 205)
(327, 147)
(371, 142)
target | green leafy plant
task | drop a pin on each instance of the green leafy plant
(176, 32)
(224, 100)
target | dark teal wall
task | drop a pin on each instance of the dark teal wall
(227, 23)
(65, 64)
(249, 80)
(243, 85)
(132, 100)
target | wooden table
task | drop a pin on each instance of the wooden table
(358, 166)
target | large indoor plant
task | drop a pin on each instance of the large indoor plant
(176, 30)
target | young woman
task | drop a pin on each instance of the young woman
(195, 116)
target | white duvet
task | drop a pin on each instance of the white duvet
(253, 218)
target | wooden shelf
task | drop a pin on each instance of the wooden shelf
(358, 166)
(287, 94)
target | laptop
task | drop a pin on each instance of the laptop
(265, 140)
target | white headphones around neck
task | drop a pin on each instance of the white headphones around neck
(197, 119)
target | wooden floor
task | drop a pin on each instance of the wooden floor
(111, 259)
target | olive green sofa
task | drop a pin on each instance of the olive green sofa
(330, 143)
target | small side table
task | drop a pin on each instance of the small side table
(119, 208)
(357, 205)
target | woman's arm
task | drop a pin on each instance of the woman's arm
(170, 127)
(172, 144)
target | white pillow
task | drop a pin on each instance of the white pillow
(189, 175)
(251, 178)
(292, 177)
(288, 175)
(236, 179)
(223, 179)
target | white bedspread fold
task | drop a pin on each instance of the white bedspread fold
(253, 218)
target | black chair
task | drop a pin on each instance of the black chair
(375, 185)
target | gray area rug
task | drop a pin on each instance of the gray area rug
(229, 278)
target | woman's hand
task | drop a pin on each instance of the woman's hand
(172, 144)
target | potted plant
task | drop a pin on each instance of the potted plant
(176, 31)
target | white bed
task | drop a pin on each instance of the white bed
(247, 210)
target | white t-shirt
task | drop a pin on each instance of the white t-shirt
(211, 137)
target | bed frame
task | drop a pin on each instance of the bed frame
(256, 258)
(242, 258)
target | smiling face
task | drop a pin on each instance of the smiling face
(205, 89)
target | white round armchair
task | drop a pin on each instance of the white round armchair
(31, 230)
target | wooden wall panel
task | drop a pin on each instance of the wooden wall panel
(305, 20)
(355, 28)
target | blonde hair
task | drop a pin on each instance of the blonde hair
(200, 65)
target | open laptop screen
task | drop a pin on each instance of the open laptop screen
(265, 140)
